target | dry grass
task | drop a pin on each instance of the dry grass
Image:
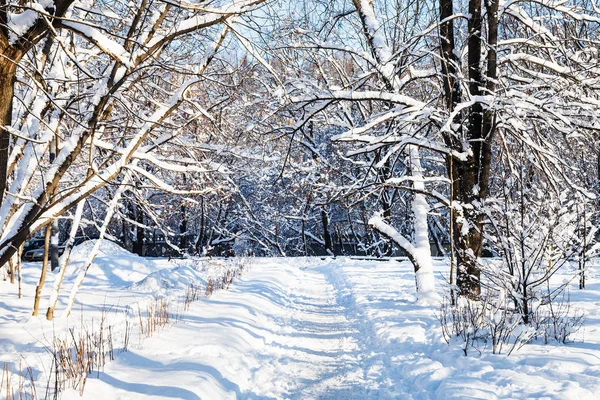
(154, 317)
(192, 293)
(18, 385)
(87, 350)
(81, 353)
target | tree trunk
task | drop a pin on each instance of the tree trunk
(138, 245)
(326, 233)
(7, 81)
(40, 286)
(470, 176)
(200, 238)
(54, 233)
(183, 239)
(58, 280)
(183, 242)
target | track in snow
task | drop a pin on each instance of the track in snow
(279, 332)
(338, 329)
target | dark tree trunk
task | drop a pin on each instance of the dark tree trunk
(7, 81)
(470, 176)
(183, 243)
(183, 240)
(200, 238)
(138, 245)
(338, 232)
(326, 233)
(449, 59)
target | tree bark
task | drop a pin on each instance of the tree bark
(326, 233)
(40, 286)
(200, 238)
(7, 82)
(470, 176)
(138, 245)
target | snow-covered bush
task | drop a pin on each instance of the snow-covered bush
(536, 229)
(535, 232)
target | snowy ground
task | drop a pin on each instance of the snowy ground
(297, 329)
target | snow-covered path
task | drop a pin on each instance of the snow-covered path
(279, 332)
(334, 329)
(295, 329)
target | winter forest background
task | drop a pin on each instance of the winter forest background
(463, 129)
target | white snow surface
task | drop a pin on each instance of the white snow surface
(302, 328)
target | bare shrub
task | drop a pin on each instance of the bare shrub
(495, 319)
(558, 320)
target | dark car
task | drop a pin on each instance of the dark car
(37, 253)
(33, 243)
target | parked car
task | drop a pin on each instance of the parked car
(33, 243)
(37, 253)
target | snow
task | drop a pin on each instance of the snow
(112, 264)
(292, 328)
(107, 45)
(372, 25)
(20, 23)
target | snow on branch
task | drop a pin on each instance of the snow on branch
(103, 42)
(377, 222)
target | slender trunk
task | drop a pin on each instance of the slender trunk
(183, 244)
(277, 245)
(68, 248)
(138, 245)
(303, 233)
(200, 239)
(449, 59)
(451, 224)
(304, 218)
(452, 95)
(326, 233)
(11, 270)
(215, 225)
(54, 226)
(40, 286)
(94, 252)
(20, 254)
(354, 234)
(583, 252)
(125, 235)
(338, 231)
(420, 208)
(54, 243)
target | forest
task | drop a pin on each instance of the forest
(413, 128)
(381, 161)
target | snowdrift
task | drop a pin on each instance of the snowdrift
(113, 265)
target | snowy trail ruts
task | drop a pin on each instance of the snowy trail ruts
(282, 331)
(334, 329)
